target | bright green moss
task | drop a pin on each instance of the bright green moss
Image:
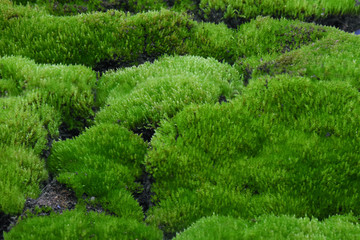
(9, 14)
(291, 9)
(334, 58)
(286, 146)
(272, 227)
(69, 89)
(214, 40)
(27, 121)
(265, 35)
(88, 38)
(20, 174)
(102, 161)
(69, 8)
(164, 88)
(79, 224)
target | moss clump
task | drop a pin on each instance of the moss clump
(20, 175)
(291, 9)
(266, 35)
(335, 57)
(143, 96)
(286, 146)
(79, 224)
(27, 121)
(272, 227)
(102, 162)
(68, 89)
(89, 38)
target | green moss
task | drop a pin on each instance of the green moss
(143, 96)
(103, 160)
(272, 227)
(333, 58)
(27, 121)
(79, 224)
(214, 40)
(291, 9)
(88, 38)
(69, 89)
(265, 35)
(20, 174)
(286, 146)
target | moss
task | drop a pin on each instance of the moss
(272, 227)
(265, 35)
(102, 161)
(79, 224)
(88, 38)
(291, 9)
(27, 121)
(145, 95)
(68, 89)
(336, 57)
(286, 146)
(20, 175)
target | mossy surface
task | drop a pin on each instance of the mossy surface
(145, 95)
(21, 173)
(272, 227)
(79, 224)
(178, 118)
(286, 146)
(103, 162)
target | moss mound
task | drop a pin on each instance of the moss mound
(286, 146)
(207, 117)
(21, 173)
(272, 227)
(142, 96)
(103, 162)
(79, 224)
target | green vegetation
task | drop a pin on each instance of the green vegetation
(285, 146)
(272, 227)
(20, 174)
(26, 121)
(79, 224)
(68, 89)
(142, 96)
(255, 116)
(337, 57)
(88, 38)
(291, 9)
(102, 162)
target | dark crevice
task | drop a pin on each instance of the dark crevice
(144, 197)
(347, 23)
(146, 132)
(222, 99)
(119, 63)
(170, 3)
(7, 221)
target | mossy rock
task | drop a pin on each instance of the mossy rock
(285, 146)
(272, 227)
(21, 173)
(79, 224)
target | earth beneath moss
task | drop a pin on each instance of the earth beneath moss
(57, 197)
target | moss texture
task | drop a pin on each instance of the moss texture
(193, 119)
